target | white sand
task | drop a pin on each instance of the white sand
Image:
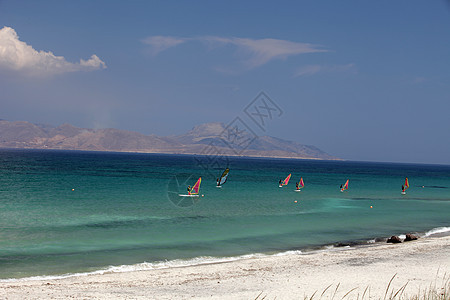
(418, 263)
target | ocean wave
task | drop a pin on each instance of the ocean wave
(145, 266)
(437, 231)
(289, 252)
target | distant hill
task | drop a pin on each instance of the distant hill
(25, 135)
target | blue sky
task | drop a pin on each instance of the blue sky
(360, 80)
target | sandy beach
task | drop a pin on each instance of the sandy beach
(418, 264)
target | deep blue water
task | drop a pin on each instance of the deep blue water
(68, 212)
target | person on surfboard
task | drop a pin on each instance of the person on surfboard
(189, 190)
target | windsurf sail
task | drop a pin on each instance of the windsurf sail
(196, 187)
(301, 183)
(286, 180)
(224, 177)
(345, 186)
(406, 186)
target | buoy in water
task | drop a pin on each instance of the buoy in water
(371, 206)
(295, 201)
(73, 189)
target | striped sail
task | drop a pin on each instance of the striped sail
(345, 186)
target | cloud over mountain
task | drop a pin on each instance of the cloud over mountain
(18, 56)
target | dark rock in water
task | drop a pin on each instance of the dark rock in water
(341, 244)
(410, 237)
(394, 239)
(346, 244)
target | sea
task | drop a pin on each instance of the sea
(72, 213)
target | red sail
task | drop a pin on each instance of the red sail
(301, 184)
(196, 187)
(286, 181)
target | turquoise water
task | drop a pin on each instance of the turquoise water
(65, 212)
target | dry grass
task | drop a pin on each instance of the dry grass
(439, 290)
(435, 291)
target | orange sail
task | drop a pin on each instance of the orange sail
(345, 186)
(405, 186)
(196, 187)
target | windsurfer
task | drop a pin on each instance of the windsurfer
(189, 190)
(296, 185)
(403, 188)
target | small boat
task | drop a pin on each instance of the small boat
(345, 186)
(285, 181)
(300, 185)
(405, 186)
(194, 191)
(223, 178)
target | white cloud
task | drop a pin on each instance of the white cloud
(308, 70)
(18, 56)
(314, 69)
(257, 52)
(264, 50)
(93, 62)
(161, 43)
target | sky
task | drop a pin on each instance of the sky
(361, 80)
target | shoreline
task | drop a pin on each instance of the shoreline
(289, 275)
(207, 260)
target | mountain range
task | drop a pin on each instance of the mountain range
(204, 139)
